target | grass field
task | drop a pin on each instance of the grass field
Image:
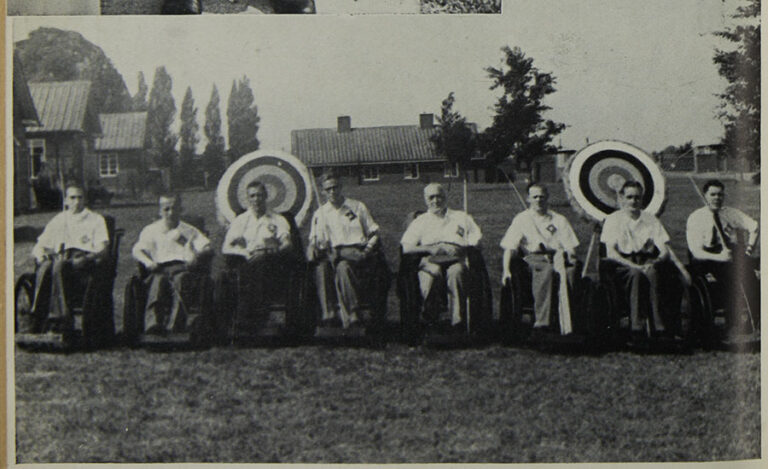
(313, 403)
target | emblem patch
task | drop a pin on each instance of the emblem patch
(551, 229)
(85, 239)
(460, 231)
(351, 215)
(272, 228)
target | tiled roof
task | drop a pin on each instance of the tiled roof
(401, 143)
(61, 105)
(124, 131)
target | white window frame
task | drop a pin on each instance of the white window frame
(449, 172)
(112, 167)
(408, 172)
(33, 143)
(373, 176)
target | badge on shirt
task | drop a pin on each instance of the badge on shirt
(551, 228)
(182, 240)
(351, 215)
(460, 232)
(85, 239)
(272, 228)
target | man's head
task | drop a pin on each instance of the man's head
(538, 197)
(257, 196)
(631, 196)
(75, 198)
(714, 194)
(434, 196)
(332, 188)
(170, 208)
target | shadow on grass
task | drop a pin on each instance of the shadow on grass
(26, 234)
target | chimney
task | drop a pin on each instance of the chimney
(344, 124)
(426, 121)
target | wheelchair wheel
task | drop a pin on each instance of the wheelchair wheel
(511, 312)
(24, 295)
(702, 312)
(204, 332)
(131, 311)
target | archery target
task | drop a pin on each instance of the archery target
(284, 176)
(595, 175)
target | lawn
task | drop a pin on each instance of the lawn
(312, 403)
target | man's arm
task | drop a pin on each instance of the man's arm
(234, 243)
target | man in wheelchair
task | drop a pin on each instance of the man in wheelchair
(547, 243)
(442, 236)
(638, 264)
(69, 256)
(727, 265)
(169, 250)
(260, 253)
(350, 268)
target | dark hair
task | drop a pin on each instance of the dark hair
(328, 175)
(629, 184)
(73, 185)
(539, 185)
(255, 184)
(713, 183)
(170, 195)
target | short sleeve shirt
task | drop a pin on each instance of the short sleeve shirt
(178, 244)
(86, 231)
(455, 227)
(702, 233)
(350, 224)
(255, 231)
(531, 231)
(632, 236)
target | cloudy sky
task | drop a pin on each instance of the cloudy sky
(641, 72)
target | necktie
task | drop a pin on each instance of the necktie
(719, 226)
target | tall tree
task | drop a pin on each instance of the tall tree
(160, 115)
(188, 134)
(213, 156)
(455, 139)
(242, 119)
(740, 106)
(139, 100)
(518, 128)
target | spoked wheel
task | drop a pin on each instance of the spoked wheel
(131, 323)
(24, 320)
(512, 310)
(701, 313)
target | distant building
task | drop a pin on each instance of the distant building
(120, 163)
(61, 144)
(24, 116)
(543, 168)
(369, 155)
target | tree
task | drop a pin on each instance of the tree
(518, 128)
(139, 100)
(455, 139)
(740, 106)
(213, 156)
(188, 136)
(242, 119)
(160, 115)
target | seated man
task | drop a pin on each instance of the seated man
(169, 248)
(443, 235)
(68, 255)
(636, 245)
(261, 239)
(548, 245)
(711, 233)
(345, 239)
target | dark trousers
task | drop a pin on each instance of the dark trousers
(737, 283)
(167, 295)
(60, 282)
(262, 280)
(545, 284)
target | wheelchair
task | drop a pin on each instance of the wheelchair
(425, 321)
(282, 314)
(517, 313)
(197, 286)
(90, 304)
(725, 316)
(373, 297)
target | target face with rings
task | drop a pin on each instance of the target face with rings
(595, 175)
(284, 176)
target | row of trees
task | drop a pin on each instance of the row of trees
(185, 165)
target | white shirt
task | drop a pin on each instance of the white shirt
(269, 228)
(630, 236)
(529, 230)
(350, 224)
(86, 230)
(161, 245)
(701, 232)
(454, 227)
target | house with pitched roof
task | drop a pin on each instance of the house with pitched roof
(24, 116)
(62, 142)
(121, 162)
(370, 155)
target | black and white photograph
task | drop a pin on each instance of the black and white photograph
(528, 237)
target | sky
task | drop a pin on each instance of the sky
(641, 72)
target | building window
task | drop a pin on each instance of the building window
(450, 171)
(370, 173)
(108, 165)
(36, 156)
(411, 171)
